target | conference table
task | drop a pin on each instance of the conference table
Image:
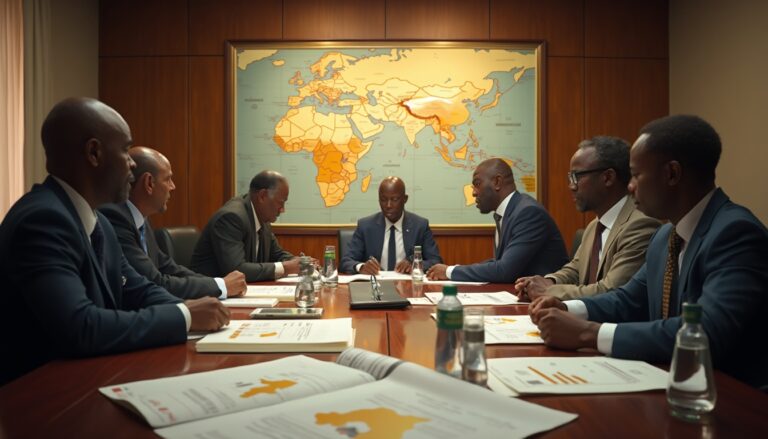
(61, 398)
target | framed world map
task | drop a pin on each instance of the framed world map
(338, 117)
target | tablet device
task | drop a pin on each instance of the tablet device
(287, 313)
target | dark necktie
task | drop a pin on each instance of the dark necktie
(670, 270)
(594, 255)
(497, 218)
(391, 250)
(143, 237)
(97, 242)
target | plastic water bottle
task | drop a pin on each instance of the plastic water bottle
(305, 294)
(417, 269)
(474, 367)
(330, 274)
(691, 388)
(450, 316)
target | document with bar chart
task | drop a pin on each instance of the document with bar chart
(557, 375)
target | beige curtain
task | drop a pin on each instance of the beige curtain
(38, 85)
(11, 103)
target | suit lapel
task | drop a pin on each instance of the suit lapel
(101, 278)
(692, 248)
(377, 244)
(586, 243)
(621, 219)
(408, 237)
(251, 254)
(507, 221)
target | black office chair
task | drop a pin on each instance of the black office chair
(178, 242)
(576, 242)
(345, 237)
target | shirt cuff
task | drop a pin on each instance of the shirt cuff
(222, 287)
(577, 308)
(357, 267)
(279, 270)
(552, 278)
(449, 271)
(187, 315)
(605, 338)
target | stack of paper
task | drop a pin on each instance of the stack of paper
(574, 375)
(283, 293)
(249, 302)
(327, 335)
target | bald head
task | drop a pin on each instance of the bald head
(153, 180)
(86, 143)
(392, 198)
(492, 181)
(147, 160)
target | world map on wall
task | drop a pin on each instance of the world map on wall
(337, 120)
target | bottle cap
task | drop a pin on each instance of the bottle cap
(692, 312)
(417, 247)
(449, 290)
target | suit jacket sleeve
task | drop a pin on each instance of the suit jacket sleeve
(631, 246)
(527, 235)
(228, 235)
(178, 280)
(51, 253)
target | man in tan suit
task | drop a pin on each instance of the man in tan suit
(614, 244)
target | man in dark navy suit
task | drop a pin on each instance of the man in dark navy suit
(527, 241)
(385, 240)
(67, 289)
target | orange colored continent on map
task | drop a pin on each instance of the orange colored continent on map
(529, 181)
(381, 422)
(269, 387)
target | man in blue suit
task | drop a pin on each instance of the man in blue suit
(67, 289)
(721, 263)
(399, 229)
(527, 241)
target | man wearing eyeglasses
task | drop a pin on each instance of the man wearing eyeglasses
(614, 243)
(527, 240)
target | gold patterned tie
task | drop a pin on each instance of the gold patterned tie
(670, 270)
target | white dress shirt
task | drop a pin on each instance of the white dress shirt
(88, 219)
(685, 228)
(399, 245)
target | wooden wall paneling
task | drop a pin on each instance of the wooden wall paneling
(211, 22)
(437, 19)
(565, 114)
(622, 95)
(151, 94)
(558, 22)
(142, 27)
(206, 138)
(466, 249)
(626, 28)
(334, 19)
(310, 242)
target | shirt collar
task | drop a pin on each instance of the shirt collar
(138, 218)
(609, 217)
(84, 211)
(503, 205)
(255, 218)
(687, 224)
(398, 224)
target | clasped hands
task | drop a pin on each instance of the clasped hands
(559, 328)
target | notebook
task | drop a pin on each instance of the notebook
(362, 296)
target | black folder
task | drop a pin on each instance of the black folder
(361, 296)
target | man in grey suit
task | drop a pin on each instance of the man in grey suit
(614, 243)
(150, 192)
(527, 240)
(67, 289)
(713, 252)
(400, 229)
(239, 235)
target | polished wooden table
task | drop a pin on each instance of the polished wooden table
(61, 398)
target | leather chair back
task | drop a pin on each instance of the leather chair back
(178, 242)
(345, 237)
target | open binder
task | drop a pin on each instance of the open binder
(375, 295)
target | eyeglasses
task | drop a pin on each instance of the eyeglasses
(573, 176)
